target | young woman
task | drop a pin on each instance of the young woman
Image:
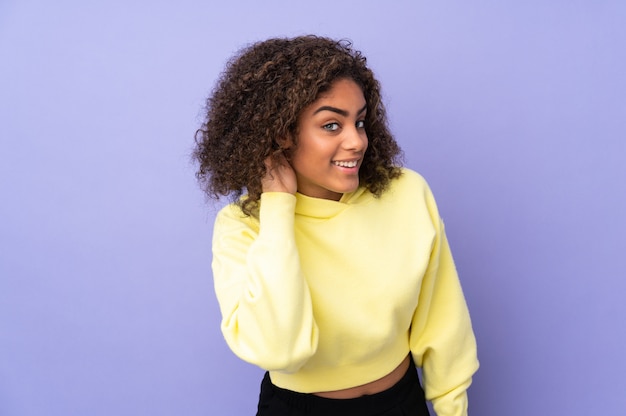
(331, 265)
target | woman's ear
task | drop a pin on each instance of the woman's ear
(286, 146)
(286, 143)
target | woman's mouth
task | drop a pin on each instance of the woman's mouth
(345, 164)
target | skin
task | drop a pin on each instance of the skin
(330, 146)
(331, 133)
(373, 387)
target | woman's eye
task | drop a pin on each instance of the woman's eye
(360, 124)
(331, 126)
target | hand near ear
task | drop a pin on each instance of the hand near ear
(280, 177)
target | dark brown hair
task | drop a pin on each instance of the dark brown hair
(255, 105)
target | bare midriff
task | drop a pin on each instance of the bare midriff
(372, 387)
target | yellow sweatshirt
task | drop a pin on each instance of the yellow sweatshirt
(328, 295)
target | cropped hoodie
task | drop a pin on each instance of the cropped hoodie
(328, 295)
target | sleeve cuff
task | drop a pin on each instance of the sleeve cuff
(276, 213)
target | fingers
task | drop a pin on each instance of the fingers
(280, 176)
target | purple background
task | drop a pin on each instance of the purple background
(514, 111)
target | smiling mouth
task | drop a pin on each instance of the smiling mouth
(347, 164)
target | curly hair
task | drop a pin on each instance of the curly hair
(254, 109)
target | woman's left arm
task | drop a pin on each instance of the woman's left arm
(442, 340)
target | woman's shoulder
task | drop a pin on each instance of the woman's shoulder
(232, 213)
(410, 180)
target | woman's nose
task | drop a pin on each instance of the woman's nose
(355, 139)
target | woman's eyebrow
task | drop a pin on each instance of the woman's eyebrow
(333, 109)
(338, 110)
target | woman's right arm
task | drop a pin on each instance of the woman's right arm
(267, 315)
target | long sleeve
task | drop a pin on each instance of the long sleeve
(442, 340)
(267, 316)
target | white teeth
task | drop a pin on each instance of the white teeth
(346, 164)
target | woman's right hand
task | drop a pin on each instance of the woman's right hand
(280, 177)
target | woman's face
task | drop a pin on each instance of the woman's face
(331, 142)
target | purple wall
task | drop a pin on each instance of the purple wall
(514, 111)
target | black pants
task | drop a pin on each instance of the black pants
(405, 398)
